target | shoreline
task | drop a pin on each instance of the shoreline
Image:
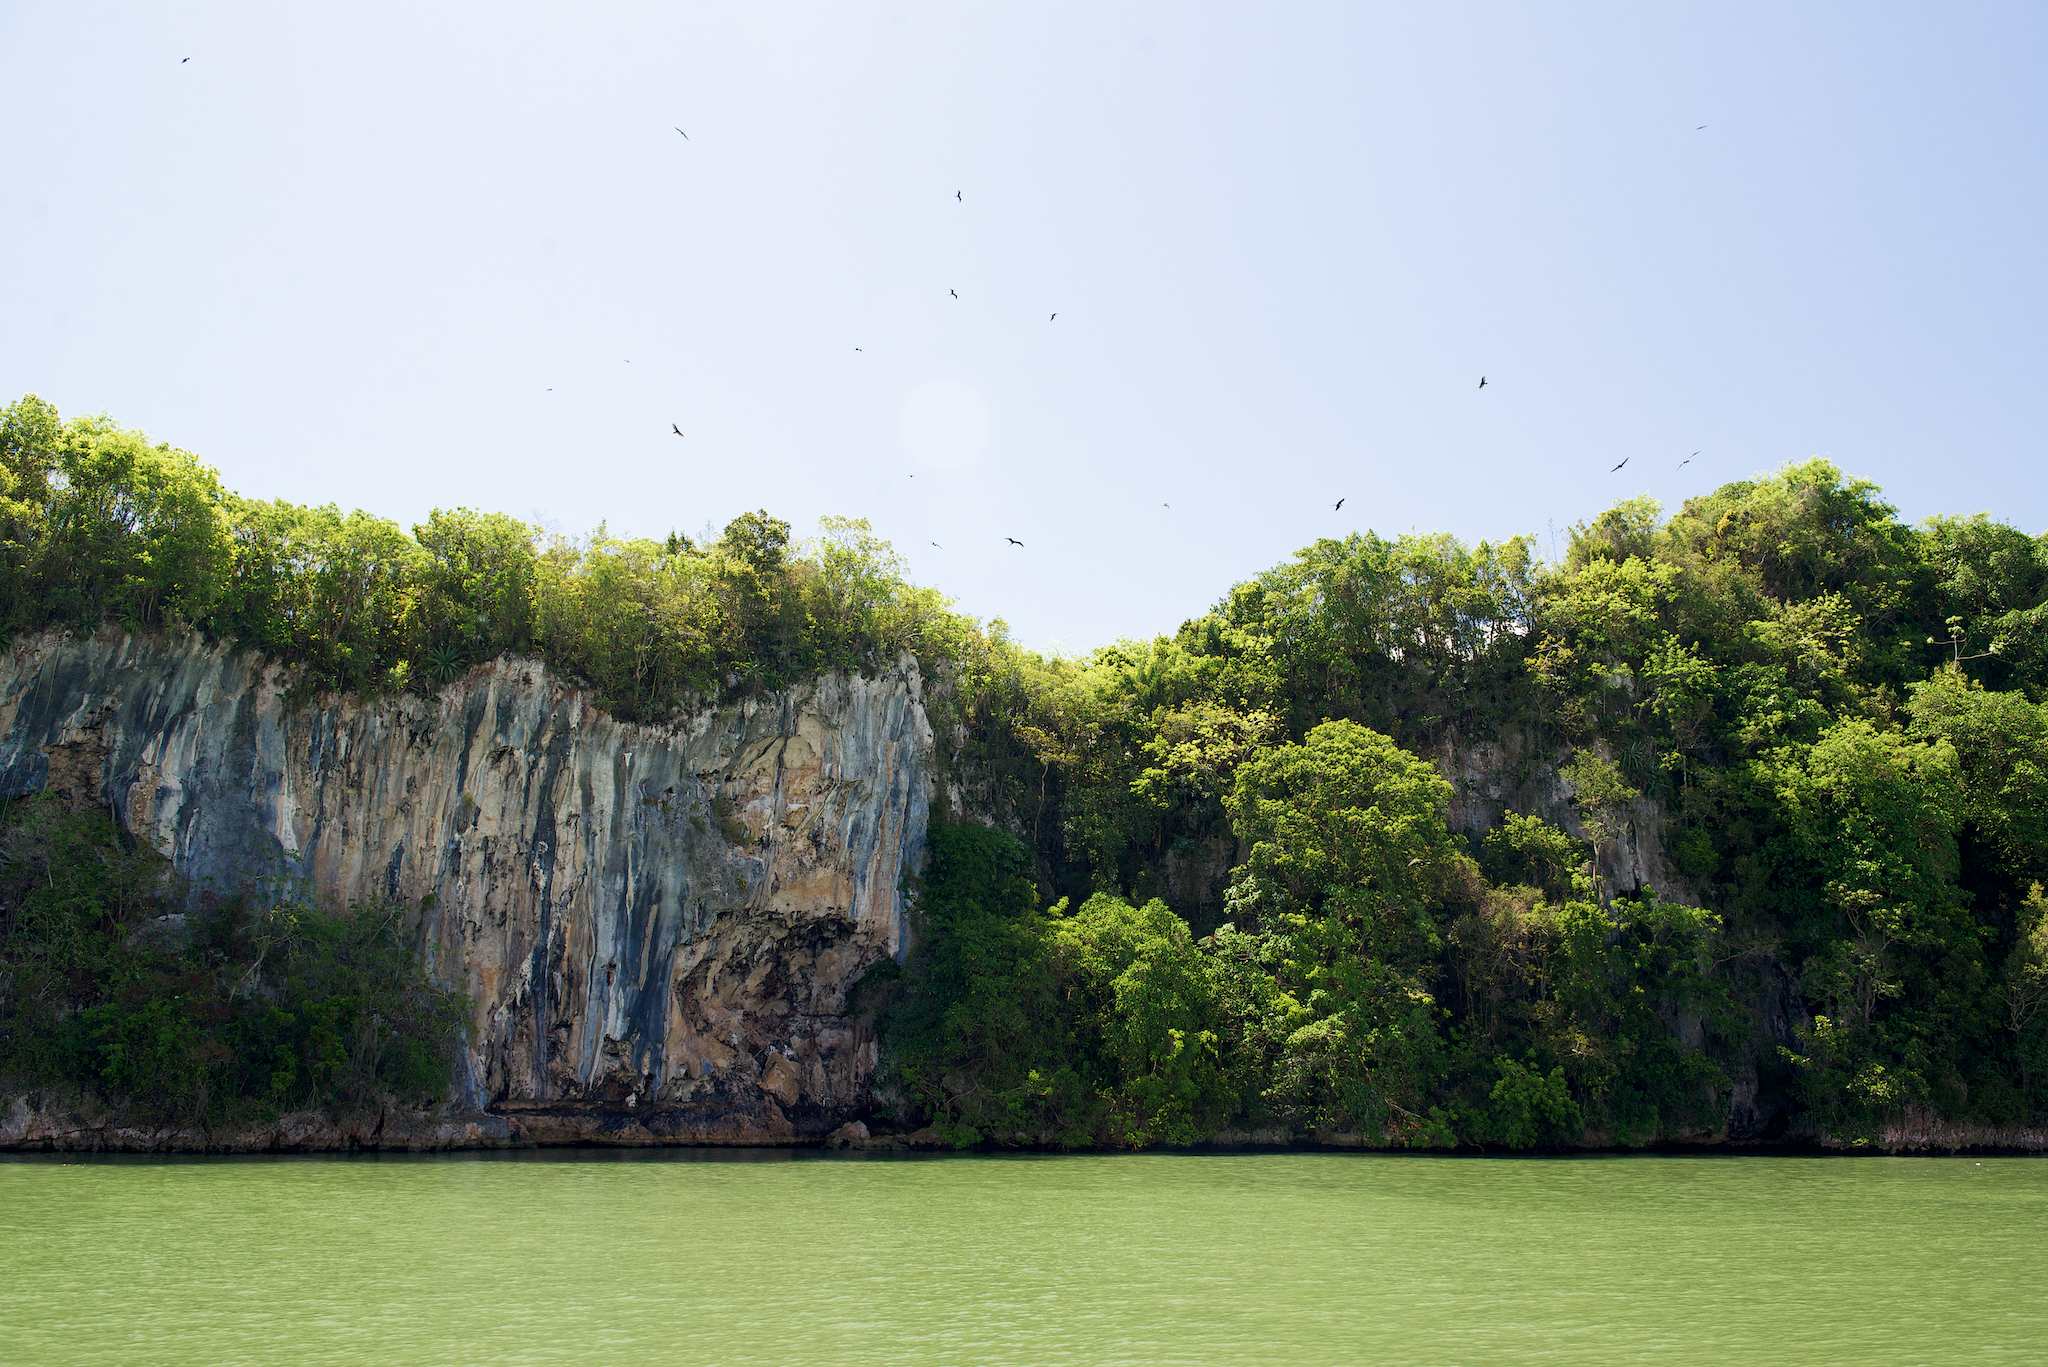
(29, 1133)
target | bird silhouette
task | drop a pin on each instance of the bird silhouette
(1624, 461)
(937, 547)
(856, 348)
(1697, 127)
(1013, 541)
(686, 136)
(1687, 461)
(954, 293)
(1482, 382)
(1340, 504)
(1167, 506)
(183, 60)
(1053, 318)
(675, 429)
(957, 196)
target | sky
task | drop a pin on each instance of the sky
(400, 257)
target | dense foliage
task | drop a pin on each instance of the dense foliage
(98, 525)
(1734, 820)
(234, 1017)
(1371, 984)
(1829, 727)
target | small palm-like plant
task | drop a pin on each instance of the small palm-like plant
(443, 664)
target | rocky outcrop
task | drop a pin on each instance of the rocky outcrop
(1920, 1131)
(658, 928)
(1494, 775)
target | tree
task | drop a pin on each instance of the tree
(1528, 850)
(1194, 751)
(476, 592)
(1992, 581)
(1346, 833)
(1602, 796)
(1894, 953)
(975, 1039)
(1346, 824)
(1133, 980)
(1627, 531)
(2000, 740)
(1799, 535)
(2026, 991)
(133, 532)
(30, 432)
(1527, 1108)
(1595, 622)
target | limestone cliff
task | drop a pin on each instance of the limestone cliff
(657, 927)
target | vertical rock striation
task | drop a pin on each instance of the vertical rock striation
(657, 927)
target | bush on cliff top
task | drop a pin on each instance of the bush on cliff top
(97, 525)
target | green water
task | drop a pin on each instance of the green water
(1266, 1258)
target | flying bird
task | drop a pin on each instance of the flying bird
(686, 136)
(1687, 461)
(183, 60)
(675, 429)
(937, 547)
(1340, 504)
(954, 293)
(1697, 127)
(1624, 461)
(1416, 860)
(856, 348)
(1482, 382)
(956, 195)
(1013, 541)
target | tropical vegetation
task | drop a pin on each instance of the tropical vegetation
(1770, 865)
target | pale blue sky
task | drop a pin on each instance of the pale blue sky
(345, 250)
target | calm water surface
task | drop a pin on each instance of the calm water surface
(1306, 1258)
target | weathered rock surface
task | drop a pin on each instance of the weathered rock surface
(658, 927)
(1494, 775)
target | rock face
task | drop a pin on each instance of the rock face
(1491, 776)
(657, 927)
